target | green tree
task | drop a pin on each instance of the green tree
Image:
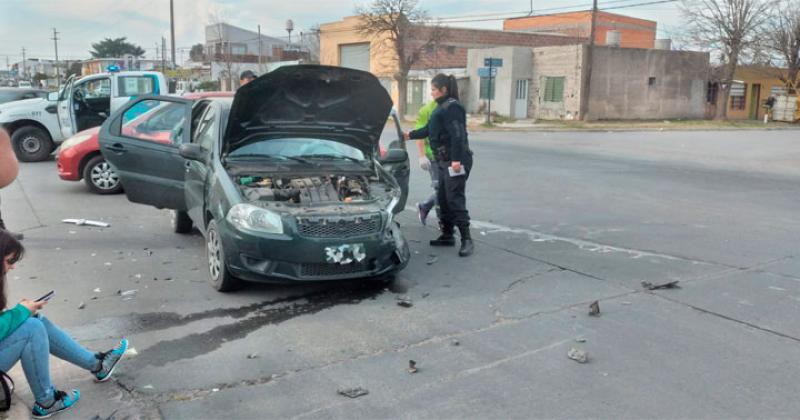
(197, 53)
(115, 48)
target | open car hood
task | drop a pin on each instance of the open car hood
(345, 105)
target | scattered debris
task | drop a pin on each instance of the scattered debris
(138, 276)
(82, 305)
(107, 264)
(93, 298)
(455, 342)
(252, 356)
(110, 417)
(404, 301)
(594, 309)
(669, 285)
(432, 259)
(580, 340)
(84, 222)
(214, 389)
(426, 294)
(353, 392)
(127, 292)
(412, 366)
(625, 302)
(148, 387)
(483, 233)
(131, 352)
(579, 356)
(97, 290)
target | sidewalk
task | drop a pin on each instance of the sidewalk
(477, 123)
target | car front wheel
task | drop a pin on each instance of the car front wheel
(100, 177)
(221, 278)
(31, 144)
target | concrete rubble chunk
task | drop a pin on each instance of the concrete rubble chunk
(412, 366)
(594, 309)
(578, 355)
(353, 392)
(668, 285)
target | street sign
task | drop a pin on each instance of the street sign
(487, 72)
(493, 62)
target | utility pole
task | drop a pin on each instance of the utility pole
(24, 65)
(260, 70)
(163, 54)
(172, 29)
(587, 77)
(58, 71)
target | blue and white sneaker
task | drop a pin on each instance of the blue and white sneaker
(63, 401)
(109, 360)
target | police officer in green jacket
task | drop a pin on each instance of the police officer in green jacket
(425, 159)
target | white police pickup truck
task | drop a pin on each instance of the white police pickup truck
(37, 125)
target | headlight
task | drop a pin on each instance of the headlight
(248, 217)
(75, 140)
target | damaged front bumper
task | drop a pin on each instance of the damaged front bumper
(291, 258)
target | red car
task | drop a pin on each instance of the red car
(79, 156)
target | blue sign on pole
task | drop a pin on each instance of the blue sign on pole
(493, 62)
(487, 72)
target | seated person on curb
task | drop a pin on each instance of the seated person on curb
(27, 335)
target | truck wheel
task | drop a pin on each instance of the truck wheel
(100, 177)
(181, 222)
(31, 144)
(221, 278)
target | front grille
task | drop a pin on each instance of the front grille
(339, 227)
(323, 269)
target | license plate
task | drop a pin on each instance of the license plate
(345, 254)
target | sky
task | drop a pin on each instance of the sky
(30, 23)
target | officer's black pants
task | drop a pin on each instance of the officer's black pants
(451, 197)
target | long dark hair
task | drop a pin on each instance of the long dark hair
(442, 80)
(9, 247)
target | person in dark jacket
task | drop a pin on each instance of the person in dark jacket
(447, 133)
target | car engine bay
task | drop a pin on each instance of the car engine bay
(305, 190)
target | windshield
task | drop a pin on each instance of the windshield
(299, 147)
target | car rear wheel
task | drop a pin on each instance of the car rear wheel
(100, 177)
(31, 144)
(221, 278)
(181, 222)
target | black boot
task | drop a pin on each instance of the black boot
(445, 239)
(467, 247)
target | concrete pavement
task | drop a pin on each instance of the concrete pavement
(562, 219)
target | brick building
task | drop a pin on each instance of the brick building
(633, 32)
(342, 45)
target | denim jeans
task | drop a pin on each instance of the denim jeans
(33, 342)
(430, 202)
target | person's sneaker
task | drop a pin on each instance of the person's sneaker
(423, 214)
(109, 360)
(63, 401)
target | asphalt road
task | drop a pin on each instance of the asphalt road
(561, 219)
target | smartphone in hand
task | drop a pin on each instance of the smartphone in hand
(47, 296)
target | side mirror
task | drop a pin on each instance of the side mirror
(193, 152)
(52, 96)
(395, 156)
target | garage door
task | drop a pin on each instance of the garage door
(355, 56)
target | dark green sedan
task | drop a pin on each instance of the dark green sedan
(297, 178)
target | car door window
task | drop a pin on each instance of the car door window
(136, 85)
(96, 89)
(154, 120)
(208, 130)
(391, 137)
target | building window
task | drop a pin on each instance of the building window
(554, 89)
(778, 91)
(487, 88)
(451, 50)
(651, 81)
(738, 92)
(711, 93)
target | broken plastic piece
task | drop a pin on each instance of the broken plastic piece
(594, 309)
(353, 392)
(82, 305)
(404, 301)
(412, 366)
(252, 356)
(669, 285)
(579, 356)
(84, 222)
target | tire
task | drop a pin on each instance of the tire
(32, 144)
(221, 278)
(181, 222)
(100, 177)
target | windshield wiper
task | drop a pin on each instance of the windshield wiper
(324, 156)
(274, 157)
